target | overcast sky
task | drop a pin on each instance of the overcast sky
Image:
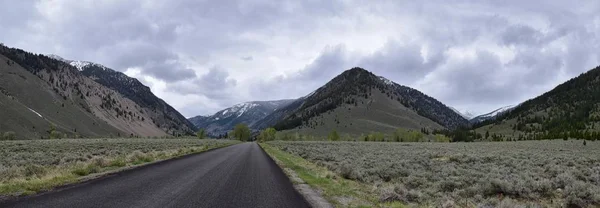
(202, 56)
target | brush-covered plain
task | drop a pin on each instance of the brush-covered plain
(30, 166)
(485, 174)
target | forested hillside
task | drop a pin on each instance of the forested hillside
(571, 110)
(360, 89)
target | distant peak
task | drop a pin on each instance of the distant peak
(79, 64)
(355, 74)
(467, 115)
(356, 71)
(497, 111)
(360, 75)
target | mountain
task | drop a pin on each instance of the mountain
(493, 114)
(161, 114)
(569, 110)
(357, 101)
(199, 120)
(41, 96)
(467, 115)
(248, 113)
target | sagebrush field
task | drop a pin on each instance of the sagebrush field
(485, 174)
(29, 166)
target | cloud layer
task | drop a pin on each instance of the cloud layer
(202, 56)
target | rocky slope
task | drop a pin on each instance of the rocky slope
(161, 113)
(41, 95)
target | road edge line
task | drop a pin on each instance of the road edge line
(310, 195)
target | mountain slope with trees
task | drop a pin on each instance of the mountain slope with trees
(357, 101)
(46, 98)
(161, 113)
(571, 110)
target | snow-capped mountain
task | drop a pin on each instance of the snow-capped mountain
(467, 115)
(81, 65)
(248, 113)
(493, 114)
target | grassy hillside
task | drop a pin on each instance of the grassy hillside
(29, 107)
(379, 113)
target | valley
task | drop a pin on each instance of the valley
(358, 140)
(308, 104)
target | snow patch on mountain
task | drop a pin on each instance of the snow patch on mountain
(248, 113)
(498, 111)
(243, 107)
(38, 114)
(467, 115)
(386, 81)
(80, 65)
(493, 114)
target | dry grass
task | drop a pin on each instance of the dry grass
(30, 166)
(501, 174)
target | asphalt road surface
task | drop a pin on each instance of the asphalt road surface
(242, 175)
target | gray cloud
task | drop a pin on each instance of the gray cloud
(402, 63)
(473, 55)
(520, 34)
(332, 61)
(216, 84)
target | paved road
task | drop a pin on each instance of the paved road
(237, 176)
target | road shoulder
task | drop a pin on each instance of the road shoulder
(319, 186)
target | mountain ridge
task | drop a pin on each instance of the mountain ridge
(467, 115)
(249, 113)
(355, 87)
(162, 114)
(493, 114)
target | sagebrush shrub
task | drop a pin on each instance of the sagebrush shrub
(9, 135)
(467, 173)
(8, 173)
(25, 159)
(32, 170)
(100, 161)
